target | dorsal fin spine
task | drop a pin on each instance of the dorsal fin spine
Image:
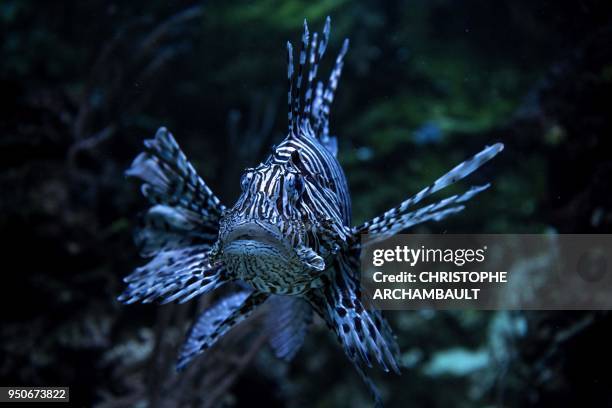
(309, 105)
(290, 85)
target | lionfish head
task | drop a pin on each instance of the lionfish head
(278, 223)
(269, 225)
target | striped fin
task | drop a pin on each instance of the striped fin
(363, 333)
(317, 103)
(177, 274)
(313, 61)
(399, 218)
(359, 365)
(290, 118)
(322, 126)
(309, 106)
(435, 212)
(169, 179)
(217, 320)
(372, 388)
(297, 109)
(316, 55)
(163, 228)
(287, 322)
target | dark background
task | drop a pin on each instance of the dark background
(426, 84)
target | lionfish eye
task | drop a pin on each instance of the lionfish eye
(245, 180)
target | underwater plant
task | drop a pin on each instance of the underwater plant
(288, 239)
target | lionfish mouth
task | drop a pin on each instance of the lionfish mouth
(257, 239)
(254, 249)
(264, 234)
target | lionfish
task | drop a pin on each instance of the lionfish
(288, 240)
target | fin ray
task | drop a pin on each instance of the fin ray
(184, 211)
(177, 274)
(399, 218)
(362, 332)
(217, 320)
(287, 322)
